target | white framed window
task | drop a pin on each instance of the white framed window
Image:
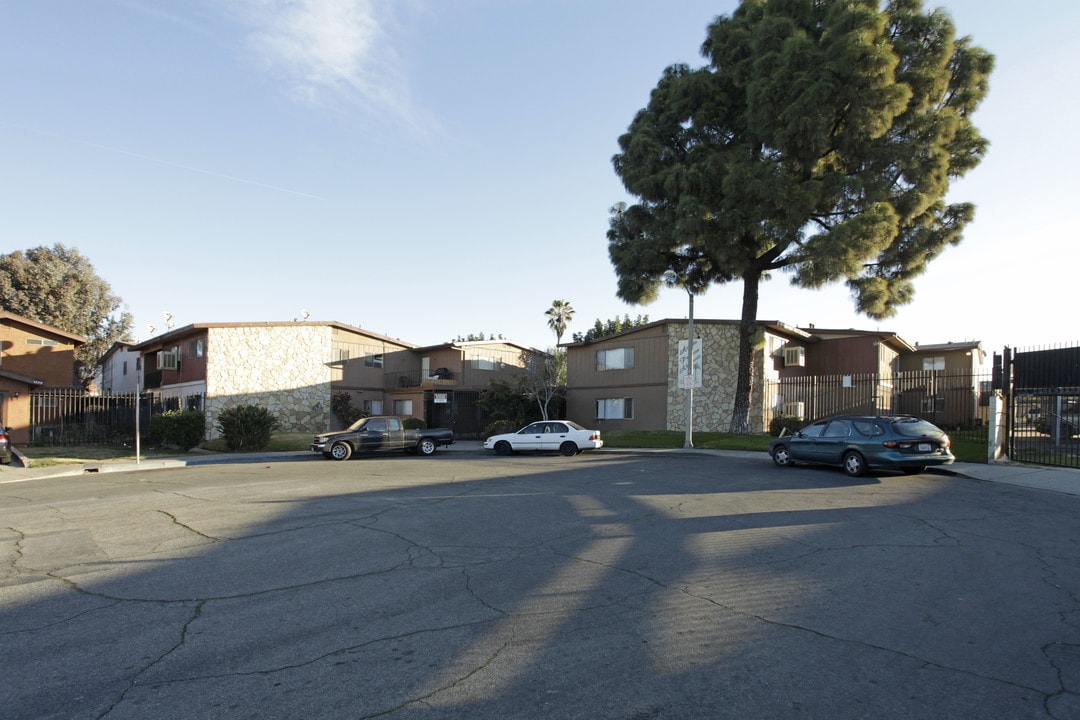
(374, 361)
(933, 363)
(197, 348)
(373, 407)
(403, 407)
(485, 363)
(615, 409)
(615, 359)
(41, 341)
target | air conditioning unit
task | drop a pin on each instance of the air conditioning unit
(794, 409)
(168, 360)
(795, 356)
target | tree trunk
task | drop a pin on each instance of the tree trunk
(744, 381)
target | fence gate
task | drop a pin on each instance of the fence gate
(1042, 388)
(71, 416)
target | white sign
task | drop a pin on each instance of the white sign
(440, 398)
(689, 380)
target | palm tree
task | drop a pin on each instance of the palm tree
(559, 315)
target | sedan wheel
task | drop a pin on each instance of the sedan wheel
(568, 449)
(854, 465)
(781, 456)
(503, 448)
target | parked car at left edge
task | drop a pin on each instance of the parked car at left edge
(5, 446)
(380, 434)
(857, 443)
(564, 436)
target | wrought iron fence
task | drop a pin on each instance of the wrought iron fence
(1043, 391)
(956, 400)
(70, 416)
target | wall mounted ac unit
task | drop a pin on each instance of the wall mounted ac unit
(167, 360)
(795, 356)
(794, 409)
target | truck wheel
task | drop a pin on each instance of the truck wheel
(341, 451)
(568, 449)
(426, 446)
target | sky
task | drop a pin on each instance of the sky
(429, 169)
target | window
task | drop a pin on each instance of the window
(933, 363)
(617, 359)
(837, 428)
(340, 355)
(125, 368)
(376, 425)
(484, 363)
(933, 404)
(41, 341)
(615, 409)
(375, 361)
(373, 407)
(196, 348)
(403, 407)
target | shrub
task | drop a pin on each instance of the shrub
(246, 427)
(184, 429)
(342, 407)
(791, 423)
(499, 427)
(413, 423)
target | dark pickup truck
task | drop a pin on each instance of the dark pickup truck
(379, 434)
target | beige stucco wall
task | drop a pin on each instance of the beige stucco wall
(283, 368)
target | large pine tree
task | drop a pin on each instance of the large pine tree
(820, 139)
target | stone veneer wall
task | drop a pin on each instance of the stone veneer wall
(283, 368)
(714, 401)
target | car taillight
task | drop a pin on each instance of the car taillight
(594, 436)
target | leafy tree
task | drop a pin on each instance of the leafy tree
(559, 316)
(57, 286)
(820, 139)
(611, 326)
(544, 380)
(477, 337)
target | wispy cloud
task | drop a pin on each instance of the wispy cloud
(326, 50)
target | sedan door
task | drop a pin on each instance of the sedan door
(802, 445)
(555, 433)
(830, 445)
(530, 437)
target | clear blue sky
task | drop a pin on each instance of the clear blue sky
(432, 168)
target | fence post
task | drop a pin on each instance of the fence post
(995, 446)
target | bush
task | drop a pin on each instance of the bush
(413, 423)
(342, 407)
(499, 427)
(183, 429)
(246, 427)
(791, 423)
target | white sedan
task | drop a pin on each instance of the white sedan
(565, 436)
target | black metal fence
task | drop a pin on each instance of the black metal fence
(70, 416)
(1042, 388)
(956, 400)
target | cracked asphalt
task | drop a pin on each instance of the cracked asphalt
(628, 586)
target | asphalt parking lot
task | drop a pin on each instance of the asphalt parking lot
(627, 586)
